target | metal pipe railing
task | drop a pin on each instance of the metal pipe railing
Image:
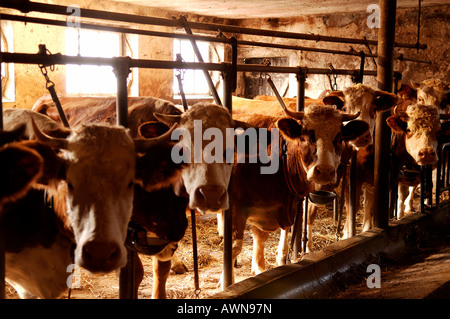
(26, 6)
(193, 37)
(51, 59)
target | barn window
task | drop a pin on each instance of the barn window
(7, 45)
(97, 79)
(194, 82)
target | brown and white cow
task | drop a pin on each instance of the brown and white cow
(433, 92)
(91, 194)
(268, 201)
(417, 131)
(358, 100)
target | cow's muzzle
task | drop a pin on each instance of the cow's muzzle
(209, 197)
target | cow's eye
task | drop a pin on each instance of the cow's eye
(420, 100)
(130, 185)
(70, 186)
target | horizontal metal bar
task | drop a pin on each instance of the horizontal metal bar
(28, 6)
(61, 23)
(301, 48)
(50, 59)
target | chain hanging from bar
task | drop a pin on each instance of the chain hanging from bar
(333, 83)
(264, 75)
(50, 85)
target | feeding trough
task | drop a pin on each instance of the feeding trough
(321, 197)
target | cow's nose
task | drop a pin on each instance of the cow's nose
(427, 156)
(210, 197)
(325, 172)
(101, 257)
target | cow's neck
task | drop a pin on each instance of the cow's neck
(294, 170)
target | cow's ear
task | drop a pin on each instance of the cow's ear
(384, 100)
(354, 129)
(415, 85)
(396, 124)
(152, 129)
(290, 128)
(334, 100)
(20, 167)
(54, 166)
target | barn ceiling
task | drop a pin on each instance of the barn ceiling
(244, 9)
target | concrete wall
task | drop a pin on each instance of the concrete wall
(434, 33)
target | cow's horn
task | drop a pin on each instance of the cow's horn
(59, 143)
(349, 117)
(142, 145)
(295, 115)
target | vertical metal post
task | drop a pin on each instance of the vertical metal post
(296, 240)
(122, 70)
(305, 224)
(211, 86)
(228, 214)
(352, 198)
(301, 78)
(193, 220)
(127, 276)
(2, 237)
(385, 72)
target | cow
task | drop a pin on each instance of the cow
(205, 184)
(90, 196)
(311, 158)
(433, 92)
(416, 133)
(359, 100)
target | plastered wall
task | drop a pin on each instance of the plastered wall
(434, 32)
(30, 84)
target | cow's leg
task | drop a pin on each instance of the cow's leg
(403, 192)
(161, 271)
(236, 250)
(138, 273)
(259, 239)
(368, 210)
(178, 266)
(346, 230)
(282, 250)
(238, 240)
(409, 201)
(220, 225)
(312, 213)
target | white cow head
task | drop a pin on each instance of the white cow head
(433, 92)
(99, 167)
(420, 125)
(204, 179)
(319, 134)
(366, 101)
